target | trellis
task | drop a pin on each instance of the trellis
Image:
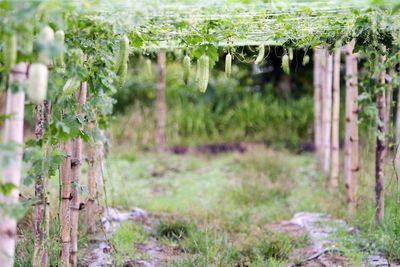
(211, 25)
(294, 23)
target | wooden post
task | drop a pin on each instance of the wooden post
(351, 160)
(42, 210)
(397, 155)
(90, 203)
(327, 112)
(388, 111)
(161, 105)
(65, 214)
(380, 148)
(317, 72)
(13, 132)
(76, 173)
(335, 120)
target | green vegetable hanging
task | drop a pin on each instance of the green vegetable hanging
(228, 65)
(59, 58)
(10, 51)
(204, 72)
(261, 54)
(37, 83)
(123, 54)
(186, 69)
(285, 64)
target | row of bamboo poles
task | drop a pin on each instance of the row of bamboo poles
(326, 74)
(70, 181)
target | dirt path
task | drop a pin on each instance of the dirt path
(99, 251)
(323, 250)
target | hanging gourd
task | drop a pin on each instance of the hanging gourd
(261, 54)
(285, 64)
(290, 54)
(10, 50)
(59, 58)
(228, 65)
(148, 68)
(186, 69)
(306, 60)
(123, 54)
(47, 36)
(37, 83)
(204, 72)
(123, 73)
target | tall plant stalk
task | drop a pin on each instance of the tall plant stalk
(13, 132)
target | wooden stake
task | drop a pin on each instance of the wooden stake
(388, 111)
(13, 132)
(351, 160)
(317, 104)
(327, 112)
(76, 173)
(335, 120)
(380, 148)
(397, 150)
(161, 105)
(65, 214)
(42, 210)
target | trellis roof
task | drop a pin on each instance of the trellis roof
(172, 24)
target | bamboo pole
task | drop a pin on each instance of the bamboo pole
(327, 112)
(317, 104)
(65, 214)
(397, 155)
(13, 132)
(351, 157)
(335, 120)
(388, 111)
(90, 203)
(76, 173)
(42, 211)
(161, 105)
(380, 148)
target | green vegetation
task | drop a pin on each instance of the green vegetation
(243, 108)
(124, 241)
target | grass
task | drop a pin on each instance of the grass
(221, 202)
(220, 207)
(124, 240)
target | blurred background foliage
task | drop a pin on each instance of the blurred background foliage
(256, 104)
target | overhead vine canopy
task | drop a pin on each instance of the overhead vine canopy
(233, 23)
(205, 26)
